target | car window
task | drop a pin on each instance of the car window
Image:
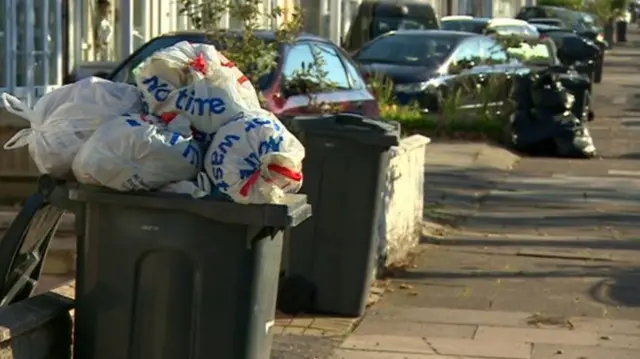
(530, 13)
(491, 52)
(301, 73)
(532, 53)
(353, 74)
(126, 72)
(332, 66)
(411, 50)
(464, 25)
(298, 60)
(468, 52)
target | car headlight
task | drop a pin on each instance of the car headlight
(600, 37)
(415, 87)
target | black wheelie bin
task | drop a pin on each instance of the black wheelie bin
(168, 276)
(329, 261)
(158, 275)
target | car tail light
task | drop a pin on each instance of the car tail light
(278, 100)
(543, 37)
(366, 77)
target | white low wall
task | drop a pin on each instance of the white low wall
(403, 202)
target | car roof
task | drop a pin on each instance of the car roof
(554, 28)
(446, 33)
(507, 21)
(268, 35)
(545, 19)
(456, 17)
(466, 18)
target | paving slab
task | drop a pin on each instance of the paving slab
(499, 348)
(563, 351)
(389, 343)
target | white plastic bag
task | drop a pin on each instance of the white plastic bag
(199, 188)
(136, 152)
(196, 80)
(255, 159)
(63, 119)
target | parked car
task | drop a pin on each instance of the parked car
(427, 66)
(583, 23)
(377, 17)
(573, 49)
(348, 90)
(482, 25)
(547, 21)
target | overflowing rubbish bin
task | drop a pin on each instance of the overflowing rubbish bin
(182, 187)
(160, 273)
(329, 259)
(173, 275)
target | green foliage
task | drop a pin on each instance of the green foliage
(451, 120)
(253, 56)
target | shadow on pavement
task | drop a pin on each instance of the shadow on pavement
(623, 288)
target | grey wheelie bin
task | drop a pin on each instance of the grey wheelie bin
(330, 258)
(168, 276)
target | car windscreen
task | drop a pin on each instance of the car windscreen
(476, 27)
(383, 25)
(409, 49)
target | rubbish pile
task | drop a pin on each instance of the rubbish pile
(548, 120)
(192, 125)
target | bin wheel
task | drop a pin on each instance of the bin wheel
(296, 295)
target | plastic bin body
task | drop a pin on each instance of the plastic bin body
(344, 173)
(621, 31)
(159, 277)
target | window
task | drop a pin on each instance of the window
(467, 53)
(492, 53)
(333, 67)
(407, 49)
(355, 79)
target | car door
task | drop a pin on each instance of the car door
(462, 81)
(497, 73)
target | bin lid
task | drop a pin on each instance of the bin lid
(347, 125)
(293, 210)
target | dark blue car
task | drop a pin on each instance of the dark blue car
(427, 66)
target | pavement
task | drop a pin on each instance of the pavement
(539, 261)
